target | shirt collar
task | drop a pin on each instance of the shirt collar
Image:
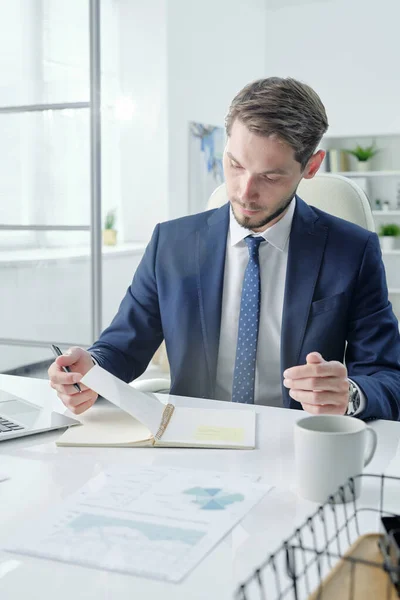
(277, 235)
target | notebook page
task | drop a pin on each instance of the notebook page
(111, 427)
(208, 427)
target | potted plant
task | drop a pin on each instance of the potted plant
(109, 231)
(388, 234)
(363, 155)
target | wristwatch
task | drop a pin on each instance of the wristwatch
(354, 399)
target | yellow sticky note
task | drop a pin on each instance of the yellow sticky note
(207, 433)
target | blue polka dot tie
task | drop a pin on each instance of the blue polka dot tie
(246, 350)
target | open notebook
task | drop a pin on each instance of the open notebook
(141, 419)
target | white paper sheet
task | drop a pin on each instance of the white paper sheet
(147, 521)
(145, 407)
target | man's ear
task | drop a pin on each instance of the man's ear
(314, 164)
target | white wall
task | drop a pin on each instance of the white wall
(214, 49)
(179, 61)
(349, 52)
(143, 139)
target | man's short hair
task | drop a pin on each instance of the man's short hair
(287, 108)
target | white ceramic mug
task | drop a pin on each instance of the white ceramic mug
(328, 450)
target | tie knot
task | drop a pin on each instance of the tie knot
(253, 244)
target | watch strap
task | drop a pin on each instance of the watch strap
(354, 399)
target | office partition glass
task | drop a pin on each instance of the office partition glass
(44, 174)
(44, 54)
(50, 187)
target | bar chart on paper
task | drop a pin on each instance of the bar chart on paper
(157, 523)
(111, 541)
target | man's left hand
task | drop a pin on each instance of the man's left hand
(320, 386)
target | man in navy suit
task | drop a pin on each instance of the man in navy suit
(264, 300)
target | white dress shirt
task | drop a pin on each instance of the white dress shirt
(273, 256)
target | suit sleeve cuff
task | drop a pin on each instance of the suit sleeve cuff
(95, 362)
(363, 401)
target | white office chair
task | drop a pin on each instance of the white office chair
(329, 192)
(332, 193)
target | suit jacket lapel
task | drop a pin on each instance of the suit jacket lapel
(306, 248)
(210, 251)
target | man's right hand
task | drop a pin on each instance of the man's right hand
(80, 362)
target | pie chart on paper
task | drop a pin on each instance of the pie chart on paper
(213, 498)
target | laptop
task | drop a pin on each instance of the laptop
(19, 418)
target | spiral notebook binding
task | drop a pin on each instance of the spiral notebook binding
(165, 419)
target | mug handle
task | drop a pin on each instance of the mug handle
(374, 442)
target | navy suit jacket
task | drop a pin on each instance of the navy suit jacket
(335, 302)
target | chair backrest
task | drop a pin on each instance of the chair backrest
(334, 194)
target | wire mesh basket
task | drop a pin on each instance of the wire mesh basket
(343, 551)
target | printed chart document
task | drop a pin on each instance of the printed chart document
(155, 522)
(146, 421)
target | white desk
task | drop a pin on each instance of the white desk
(43, 474)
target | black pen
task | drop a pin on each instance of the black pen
(57, 352)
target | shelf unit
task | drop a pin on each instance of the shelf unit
(369, 173)
(381, 182)
(386, 213)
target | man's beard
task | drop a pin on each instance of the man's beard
(247, 221)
